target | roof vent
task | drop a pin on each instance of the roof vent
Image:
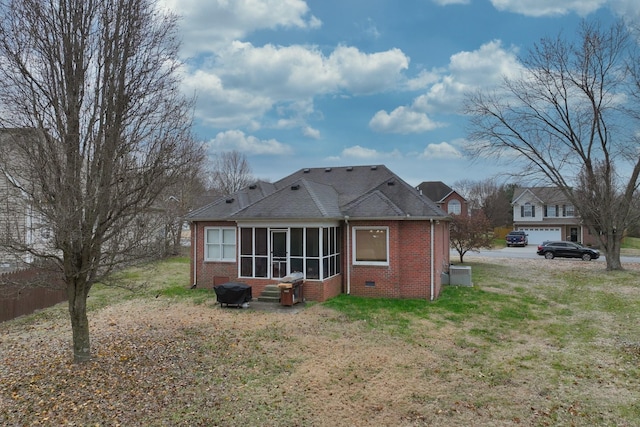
(295, 187)
(392, 182)
(374, 167)
(253, 186)
(307, 170)
(327, 169)
(229, 200)
(349, 168)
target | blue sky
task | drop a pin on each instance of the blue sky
(294, 84)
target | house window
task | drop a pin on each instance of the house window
(454, 207)
(528, 210)
(568, 210)
(371, 245)
(220, 244)
(551, 210)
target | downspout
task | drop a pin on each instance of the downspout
(238, 249)
(432, 261)
(346, 220)
(195, 254)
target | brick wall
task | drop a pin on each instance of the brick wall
(321, 291)
(206, 271)
(408, 274)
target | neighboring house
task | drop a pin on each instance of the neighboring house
(26, 232)
(544, 213)
(357, 230)
(447, 199)
(18, 225)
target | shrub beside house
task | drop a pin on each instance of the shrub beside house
(358, 230)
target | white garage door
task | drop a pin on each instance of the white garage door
(539, 235)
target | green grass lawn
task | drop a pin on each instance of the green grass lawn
(539, 344)
(631, 245)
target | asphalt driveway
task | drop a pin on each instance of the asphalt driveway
(525, 252)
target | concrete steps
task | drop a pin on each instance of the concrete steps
(271, 293)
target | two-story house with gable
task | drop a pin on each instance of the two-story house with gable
(544, 213)
(445, 197)
(19, 226)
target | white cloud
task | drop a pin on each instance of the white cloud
(423, 79)
(539, 8)
(244, 82)
(402, 120)
(222, 107)
(468, 71)
(444, 150)
(310, 132)
(237, 140)
(207, 25)
(486, 65)
(297, 72)
(629, 10)
(366, 73)
(363, 153)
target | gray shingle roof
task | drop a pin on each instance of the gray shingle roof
(435, 190)
(360, 192)
(547, 195)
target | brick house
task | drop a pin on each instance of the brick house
(446, 198)
(357, 230)
(544, 213)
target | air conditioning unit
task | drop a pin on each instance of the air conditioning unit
(460, 276)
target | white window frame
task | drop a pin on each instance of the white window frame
(221, 244)
(355, 244)
(569, 211)
(454, 207)
(551, 211)
(528, 210)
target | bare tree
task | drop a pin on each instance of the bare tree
(176, 201)
(489, 196)
(98, 83)
(470, 233)
(230, 172)
(572, 116)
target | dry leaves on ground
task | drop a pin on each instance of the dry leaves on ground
(166, 362)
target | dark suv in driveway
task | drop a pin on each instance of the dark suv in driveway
(551, 250)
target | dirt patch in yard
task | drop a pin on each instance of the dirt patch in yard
(161, 361)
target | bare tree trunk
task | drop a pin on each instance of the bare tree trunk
(612, 252)
(77, 294)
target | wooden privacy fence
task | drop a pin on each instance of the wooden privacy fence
(501, 232)
(25, 291)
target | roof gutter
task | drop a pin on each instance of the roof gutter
(402, 218)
